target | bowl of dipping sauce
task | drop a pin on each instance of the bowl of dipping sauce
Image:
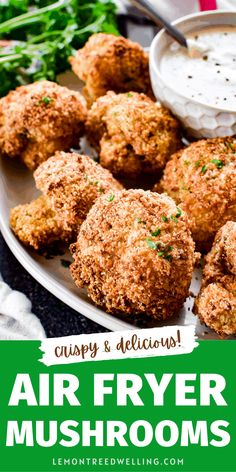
(200, 91)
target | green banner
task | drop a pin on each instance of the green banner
(159, 413)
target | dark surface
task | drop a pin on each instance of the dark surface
(56, 317)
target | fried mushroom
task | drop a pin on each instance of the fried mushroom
(135, 254)
(72, 182)
(38, 119)
(35, 224)
(202, 180)
(109, 62)
(133, 134)
(216, 302)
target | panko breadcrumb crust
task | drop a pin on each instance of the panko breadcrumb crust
(135, 254)
(72, 182)
(38, 119)
(109, 62)
(202, 180)
(216, 302)
(133, 134)
(35, 224)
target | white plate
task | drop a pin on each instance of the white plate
(16, 187)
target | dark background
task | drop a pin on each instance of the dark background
(56, 317)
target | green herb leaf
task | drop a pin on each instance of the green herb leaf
(151, 243)
(168, 257)
(204, 169)
(46, 100)
(111, 197)
(219, 164)
(230, 146)
(156, 232)
(173, 218)
(164, 218)
(179, 212)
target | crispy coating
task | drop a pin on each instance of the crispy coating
(109, 62)
(73, 182)
(38, 119)
(216, 302)
(132, 256)
(134, 134)
(35, 224)
(202, 180)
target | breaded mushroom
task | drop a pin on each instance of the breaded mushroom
(133, 134)
(202, 180)
(109, 62)
(135, 254)
(216, 302)
(35, 224)
(72, 182)
(38, 119)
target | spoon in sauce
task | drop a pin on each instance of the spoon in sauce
(194, 49)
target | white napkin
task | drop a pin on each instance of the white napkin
(16, 319)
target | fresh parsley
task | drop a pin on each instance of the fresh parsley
(47, 33)
(164, 218)
(156, 232)
(151, 244)
(218, 162)
(111, 197)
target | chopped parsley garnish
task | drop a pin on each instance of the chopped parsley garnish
(219, 164)
(139, 221)
(176, 216)
(173, 218)
(186, 163)
(204, 169)
(179, 212)
(197, 163)
(129, 94)
(65, 263)
(111, 197)
(46, 100)
(230, 146)
(151, 243)
(164, 218)
(156, 232)
(163, 251)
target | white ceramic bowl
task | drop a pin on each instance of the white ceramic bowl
(200, 120)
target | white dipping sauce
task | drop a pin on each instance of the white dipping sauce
(210, 79)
